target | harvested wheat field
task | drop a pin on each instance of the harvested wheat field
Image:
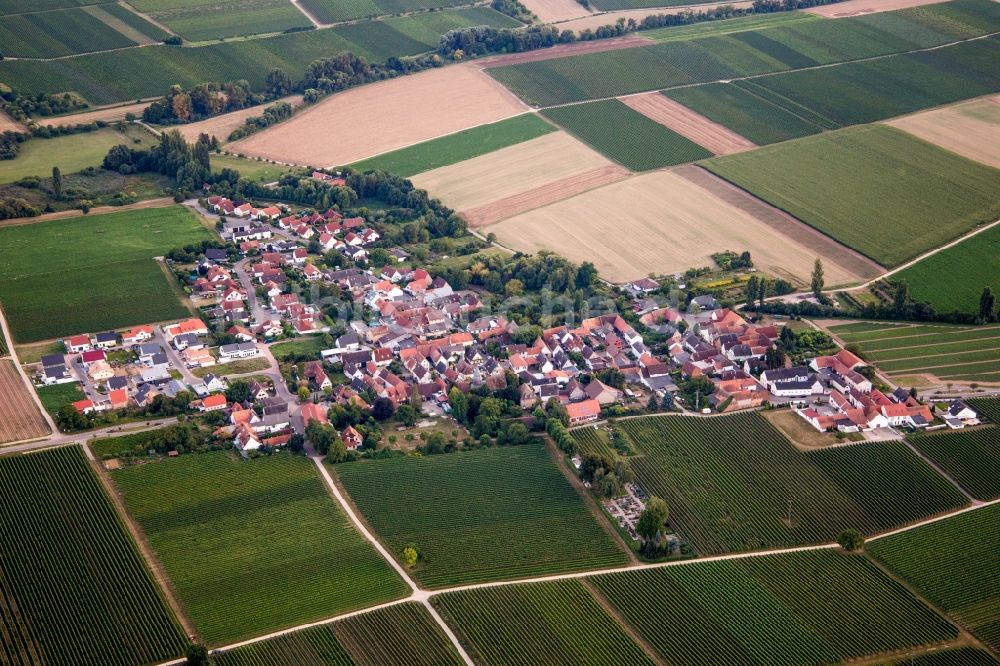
(108, 114)
(369, 120)
(857, 7)
(658, 223)
(222, 126)
(595, 21)
(19, 415)
(550, 11)
(696, 127)
(550, 167)
(971, 129)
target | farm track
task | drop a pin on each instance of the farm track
(786, 224)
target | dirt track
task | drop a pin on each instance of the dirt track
(380, 117)
(857, 7)
(687, 123)
(563, 50)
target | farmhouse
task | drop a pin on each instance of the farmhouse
(213, 403)
(312, 412)
(352, 438)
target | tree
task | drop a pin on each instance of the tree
(987, 302)
(383, 409)
(762, 287)
(653, 518)
(851, 540)
(338, 452)
(751, 291)
(817, 278)
(459, 405)
(296, 443)
(197, 655)
(277, 83)
(407, 415)
(321, 436)
(410, 556)
(57, 183)
(901, 296)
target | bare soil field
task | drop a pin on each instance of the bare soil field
(222, 126)
(8, 124)
(696, 127)
(659, 223)
(511, 171)
(376, 118)
(563, 50)
(543, 195)
(19, 415)
(971, 129)
(107, 114)
(858, 7)
(595, 21)
(550, 11)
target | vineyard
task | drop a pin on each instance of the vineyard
(198, 20)
(134, 21)
(734, 483)
(987, 407)
(74, 586)
(566, 626)
(626, 136)
(253, 545)
(970, 457)
(952, 563)
(965, 656)
(19, 416)
(772, 610)
(456, 508)
(57, 33)
(402, 635)
(591, 440)
(839, 181)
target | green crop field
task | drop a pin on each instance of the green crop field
(118, 76)
(539, 623)
(457, 508)
(987, 407)
(402, 6)
(772, 610)
(727, 26)
(261, 171)
(792, 45)
(71, 153)
(75, 588)
(57, 33)
(253, 545)
(104, 278)
(18, 7)
(733, 482)
(427, 28)
(198, 20)
(135, 21)
(590, 440)
(457, 147)
(952, 563)
(948, 352)
(401, 635)
(954, 278)
(839, 182)
(626, 136)
(970, 457)
(335, 11)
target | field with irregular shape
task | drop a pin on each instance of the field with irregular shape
(953, 279)
(658, 223)
(105, 276)
(457, 147)
(949, 353)
(567, 626)
(725, 496)
(458, 509)
(772, 610)
(401, 635)
(475, 184)
(253, 545)
(75, 588)
(952, 563)
(595, 21)
(971, 129)
(19, 415)
(970, 457)
(198, 20)
(626, 136)
(840, 182)
(376, 118)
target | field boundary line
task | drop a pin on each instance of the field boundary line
(617, 617)
(12, 354)
(972, 500)
(307, 14)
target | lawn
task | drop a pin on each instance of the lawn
(954, 278)
(626, 136)
(56, 397)
(263, 172)
(458, 147)
(310, 345)
(71, 153)
(970, 457)
(952, 563)
(816, 607)
(252, 546)
(490, 514)
(402, 635)
(727, 496)
(839, 182)
(105, 276)
(75, 588)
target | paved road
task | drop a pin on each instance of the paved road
(174, 357)
(257, 309)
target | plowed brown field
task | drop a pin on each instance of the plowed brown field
(674, 115)
(19, 415)
(971, 129)
(376, 118)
